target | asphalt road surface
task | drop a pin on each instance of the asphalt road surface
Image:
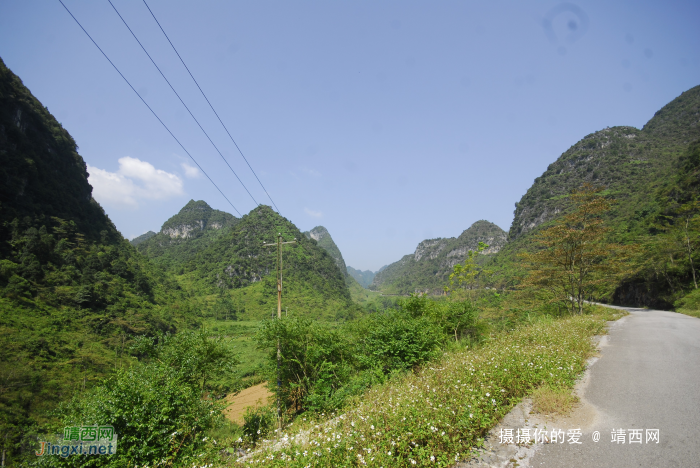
(648, 377)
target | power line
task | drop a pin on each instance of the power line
(210, 105)
(183, 102)
(149, 107)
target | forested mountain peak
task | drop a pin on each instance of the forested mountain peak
(194, 217)
(321, 235)
(142, 238)
(620, 159)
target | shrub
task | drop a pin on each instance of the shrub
(258, 422)
(158, 409)
(393, 341)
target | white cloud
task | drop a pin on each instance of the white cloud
(135, 180)
(191, 172)
(312, 172)
(312, 213)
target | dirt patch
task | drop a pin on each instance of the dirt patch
(255, 396)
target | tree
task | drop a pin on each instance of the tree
(465, 275)
(686, 233)
(574, 260)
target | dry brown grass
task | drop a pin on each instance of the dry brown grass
(547, 400)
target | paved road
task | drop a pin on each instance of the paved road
(648, 377)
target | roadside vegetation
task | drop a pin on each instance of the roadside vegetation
(435, 415)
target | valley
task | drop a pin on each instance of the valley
(190, 309)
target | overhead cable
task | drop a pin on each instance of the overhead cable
(183, 102)
(149, 107)
(210, 105)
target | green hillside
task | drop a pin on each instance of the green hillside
(184, 235)
(358, 292)
(143, 237)
(640, 170)
(213, 253)
(630, 163)
(428, 268)
(73, 291)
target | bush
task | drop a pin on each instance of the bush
(393, 341)
(159, 409)
(258, 422)
(315, 360)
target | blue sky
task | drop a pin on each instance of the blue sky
(386, 122)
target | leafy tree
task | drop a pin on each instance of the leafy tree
(193, 354)
(466, 275)
(575, 260)
(457, 318)
(314, 361)
(687, 233)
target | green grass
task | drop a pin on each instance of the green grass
(241, 332)
(436, 415)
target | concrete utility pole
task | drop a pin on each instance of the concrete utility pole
(279, 245)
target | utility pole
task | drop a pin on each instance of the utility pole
(279, 245)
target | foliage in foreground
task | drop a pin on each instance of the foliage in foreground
(321, 365)
(435, 416)
(159, 409)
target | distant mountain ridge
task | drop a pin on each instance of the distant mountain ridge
(184, 234)
(427, 269)
(195, 217)
(364, 278)
(143, 237)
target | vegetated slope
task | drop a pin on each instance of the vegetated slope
(143, 237)
(632, 165)
(313, 283)
(670, 241)
(429, 267)
(325, 241)
(184, 235)
(72, 289)
(215, 253)
(364, 278)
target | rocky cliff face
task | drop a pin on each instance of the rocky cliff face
(194, 218)
(428, 267)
